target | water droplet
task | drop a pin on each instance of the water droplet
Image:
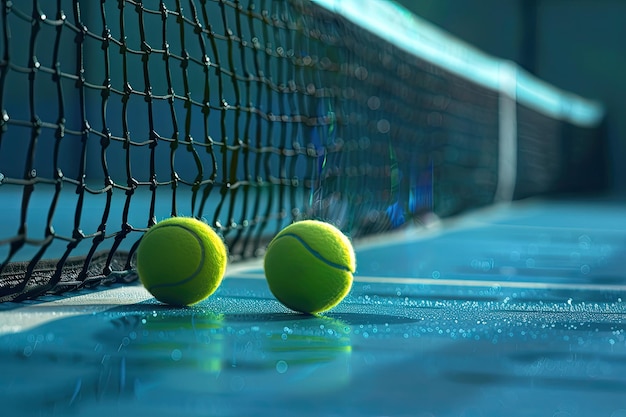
(281, 367)
(176, 355)
(574, 256)
(383, 126)
(584, 242)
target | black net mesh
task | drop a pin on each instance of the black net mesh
(248, 114)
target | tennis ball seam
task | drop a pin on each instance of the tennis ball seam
(315, 253)
(198, 268)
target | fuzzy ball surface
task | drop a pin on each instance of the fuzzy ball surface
(309, 266)
(181, 261)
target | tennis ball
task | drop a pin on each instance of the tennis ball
(309, 266)
(181, 261)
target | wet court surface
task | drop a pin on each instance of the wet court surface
(508, 312)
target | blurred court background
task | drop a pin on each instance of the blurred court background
(575, 45)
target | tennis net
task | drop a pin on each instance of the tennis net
(251, 115)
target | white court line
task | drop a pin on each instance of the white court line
(468, 283)
(494, 283)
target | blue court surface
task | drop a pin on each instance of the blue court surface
(516, 310)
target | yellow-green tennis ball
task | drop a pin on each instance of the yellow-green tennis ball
(309, 266)
(181, 261)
